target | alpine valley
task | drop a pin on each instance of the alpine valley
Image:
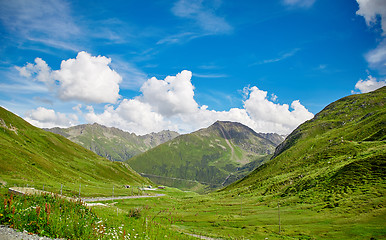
(326, 180)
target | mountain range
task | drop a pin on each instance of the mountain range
(113, 143)
(208, 158)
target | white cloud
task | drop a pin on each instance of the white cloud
(130, 115)
(273, 97)
(170, 104)
(48, 118)
(370, 9)
(171, 96)
(370, 84)
(40, 71)
(299, 3)
(88, 79)
(203, 16)
(377, 57)
(265, 112)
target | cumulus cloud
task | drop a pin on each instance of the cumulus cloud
(203, 16)
(88, 79)
(263, 111)
(173, 95)
(48, 118)
(39, 71)
(130, 115)
(370, 84)
(170, 104)
(166, 104)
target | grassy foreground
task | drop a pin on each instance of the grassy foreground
(53, 216)
(179, 213)
(225, 216)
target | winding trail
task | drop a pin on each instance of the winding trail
(118, 198)
(202, 237)
(23, 191)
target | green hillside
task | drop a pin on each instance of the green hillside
(338, 158)
(32, 156)
(113, 143)
(208, 157)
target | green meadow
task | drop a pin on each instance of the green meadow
(216, 215)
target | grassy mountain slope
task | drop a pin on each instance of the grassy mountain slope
(208, 156)
(338, 158)
(30, 155)
(113, 143)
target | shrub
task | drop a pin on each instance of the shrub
(135, 213)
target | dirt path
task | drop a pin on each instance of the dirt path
(202, 237)
(117, 198)
(22, 191)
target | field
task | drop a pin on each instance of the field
(255, 217)
(236, 217)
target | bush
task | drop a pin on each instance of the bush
(135, 213)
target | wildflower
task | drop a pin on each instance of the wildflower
(38, 210)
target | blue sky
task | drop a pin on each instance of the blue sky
(145, 66)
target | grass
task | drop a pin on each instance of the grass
(219, 215)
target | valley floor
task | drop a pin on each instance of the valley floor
(176, 214)
(219, 217)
